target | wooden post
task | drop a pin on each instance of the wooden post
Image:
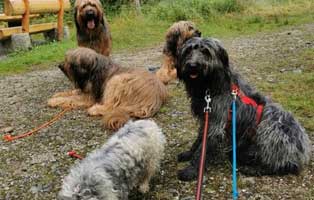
(138, 6)
(25, 18)
(60, 20)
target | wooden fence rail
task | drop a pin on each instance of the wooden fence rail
(27, 9)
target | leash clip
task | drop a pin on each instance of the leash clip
(208, 102)
(234, 94)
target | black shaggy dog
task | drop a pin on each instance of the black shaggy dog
(270, 139)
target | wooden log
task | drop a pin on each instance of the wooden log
(17, 7)
(6, 18)
(36, 28)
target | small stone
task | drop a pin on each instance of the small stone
(174, 193)
(20, 41)
(283, 70)
(271, 80)
(5, 148)
(248, 181)
(152, 68)
(47, 188)
(297, 71)
(210, 191)
(8, 129)
(259, 197)
(36, 189)
(188, 198)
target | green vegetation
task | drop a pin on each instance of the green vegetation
(293, 89)
(219, 18)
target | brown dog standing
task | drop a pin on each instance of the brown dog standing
(92, 27)
(176, 35)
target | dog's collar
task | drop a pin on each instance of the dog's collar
(248, 101)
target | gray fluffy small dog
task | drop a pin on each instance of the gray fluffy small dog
(271, 141)
(128, 160)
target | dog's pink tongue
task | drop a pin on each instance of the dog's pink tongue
(91, 24)
(193, 76)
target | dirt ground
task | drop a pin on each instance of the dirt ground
(33, 168)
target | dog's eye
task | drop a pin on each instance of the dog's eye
(186, 51)
(90, 4)
(205, 51)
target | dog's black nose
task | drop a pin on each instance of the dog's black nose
(90, 13)
(193, 65)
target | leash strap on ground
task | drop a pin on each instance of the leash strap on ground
(10, 138)
(74, 155)
(234, 150)
(207, 110)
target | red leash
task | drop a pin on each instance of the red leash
(207, 110)
(74, 155)
(9, 138)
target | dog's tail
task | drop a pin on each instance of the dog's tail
(115, 119)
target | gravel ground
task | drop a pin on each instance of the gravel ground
(33, 168)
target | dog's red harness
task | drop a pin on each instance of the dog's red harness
(248, 101)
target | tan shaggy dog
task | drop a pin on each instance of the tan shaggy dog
(176, 35)
(106, 89)
(92, 28)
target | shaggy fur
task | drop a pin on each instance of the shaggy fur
(277, 145)
(128, 160)
(176, 35)
(92, 28)
(116, 93)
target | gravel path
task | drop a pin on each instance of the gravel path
(32, 168)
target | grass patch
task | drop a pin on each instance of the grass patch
(218, 18)
(39, 57)
(293, 92)
(292, 89)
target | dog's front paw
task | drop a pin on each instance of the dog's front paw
(185, 156)
(95, 110)
(144, 188)
(66, 93)
(53, 102)
(188, 174)
(59, 102)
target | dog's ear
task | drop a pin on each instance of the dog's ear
(221, 53)
(101, 17)
(102, 21)
(80, 75)
(171, 46)
(197, 33)
(180, 59)
(75, 19)
(97, 77)
(61, 66)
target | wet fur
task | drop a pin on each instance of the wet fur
(109, 90)
(98, 38)
(277, 145)
(128, 160)
(176, 35)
